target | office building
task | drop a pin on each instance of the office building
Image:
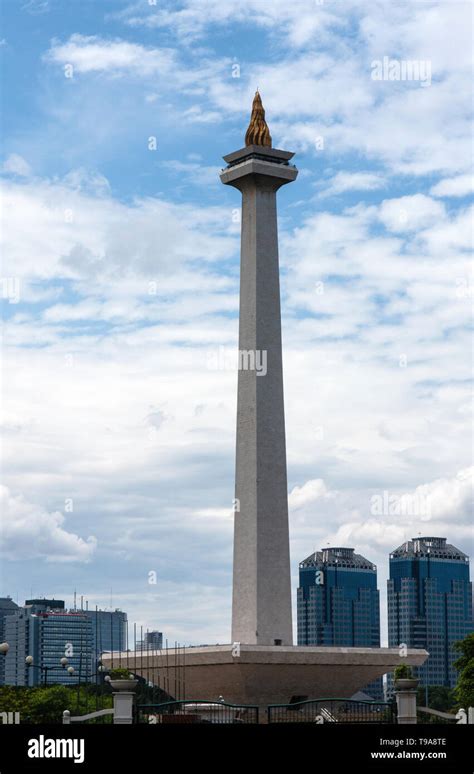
(7, 607)
(338, 603)
(47, 634)
(430, 604)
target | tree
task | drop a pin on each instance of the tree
(440, 697)
(464, 690)
(47, 704)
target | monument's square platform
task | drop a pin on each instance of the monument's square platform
(263, 674)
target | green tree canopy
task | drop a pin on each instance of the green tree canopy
(464, 690)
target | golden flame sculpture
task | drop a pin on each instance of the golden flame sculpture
(258, 132)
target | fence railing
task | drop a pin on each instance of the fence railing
(436, 716)
(68, 718)
(332, 711)
(202, 711)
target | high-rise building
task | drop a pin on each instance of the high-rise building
(430, 604)
(7, 607)
(109, 631)
(338, 600)
(47, 634)
(45, 630)
(17, 634)
(151, 641)
(338, 603)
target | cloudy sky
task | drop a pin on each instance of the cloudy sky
(120, 285)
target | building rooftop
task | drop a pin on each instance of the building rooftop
(434, 547)
(54, 604)
(7, 603)
(342, 557)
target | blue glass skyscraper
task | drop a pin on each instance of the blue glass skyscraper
(338, 602)
(430, 604)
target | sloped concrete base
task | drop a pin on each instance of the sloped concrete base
(259, 674)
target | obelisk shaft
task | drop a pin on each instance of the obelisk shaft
(261, 604)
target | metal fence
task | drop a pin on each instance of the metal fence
(202, 711)
(332, 711)
(156, 684)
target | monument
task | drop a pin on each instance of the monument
(261, 665)
(261, 601)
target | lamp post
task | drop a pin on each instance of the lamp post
(45, 669)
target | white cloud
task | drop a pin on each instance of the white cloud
(409, 213)
(94, 54)
(441, 508)
(195, 173)
(308, 493)
(29, 531)
(448, 498)
(15, 164)
(301, 20)
(95, 235)
(461, 185)
(36, 7)
(351, 181)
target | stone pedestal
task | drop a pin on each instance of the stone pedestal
(258, 674)
(406, 706)
(123, 707)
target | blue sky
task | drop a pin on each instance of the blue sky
(120, 285)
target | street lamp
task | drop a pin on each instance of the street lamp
(45, 669)
(4, 648)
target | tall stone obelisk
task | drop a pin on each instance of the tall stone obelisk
(261, 603)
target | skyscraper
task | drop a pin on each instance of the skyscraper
(109, 631)
(430, 604)
(45, 630)
(338, 602)
(47, 634)
(7, 607)
(151, 641)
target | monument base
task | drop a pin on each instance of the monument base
(265, 674)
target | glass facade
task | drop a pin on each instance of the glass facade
(151, 641)
(48, 635)
(338, 603)
(59, 635)
(430, 604)
(45, 630)
(109, 631)
(7, 608)
(17, 634)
